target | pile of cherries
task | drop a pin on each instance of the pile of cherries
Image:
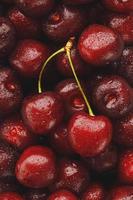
(66, 99)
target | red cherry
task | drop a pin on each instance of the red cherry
(71, 175)
(28, 57)
(89, 135)
(121, 193)
(36, 194)
(94, 192)
(36, 167)
(43, 112)
(14, 132)
(62, 195)
(10, 196)
(99, 45)
(126, 167)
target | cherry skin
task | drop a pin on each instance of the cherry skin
(25, 26)
(8, 158)
(63, 23)
(123, 24)
(10, 91)
(119, 6)
(28, 57)
(10, 196)
(99, 45)
(125, 68)
(36, 194)
(94, 192)
(35, 8)
(121, 193)
(126, 167)
(43, 112)
(113, 96)
(105, 161)
(62, 195)
(36, 167)
(64, 66)
(89, 135)
(14, 132)
(60, 142)
(77, 2)
(7, 37)
(71, 175)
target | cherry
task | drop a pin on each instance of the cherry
(113, 96)
(62, 195)
(35, 8)
(25, 26)
(10, 91)
(63, 23)
(99, 45)
(77, 2)
(123, 24)
(60, 142)
(28, 57)
(43, 112)
(94, 192)
(7, 37)
(125, 68)
(10, 196)
(126, 167)
(89, 135)
(119, 5)
(105, 161)
(71, 175)
(36, 194)
(64, 66)
(121, 193)
(13, 131)
(8, 158)
(36, 167)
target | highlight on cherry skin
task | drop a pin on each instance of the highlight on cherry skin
(66, 100)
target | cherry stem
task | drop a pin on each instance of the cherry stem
(68, 51)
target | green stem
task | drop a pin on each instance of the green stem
(44, 66)
(78, 82)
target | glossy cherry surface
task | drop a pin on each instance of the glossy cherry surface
(28, 57)
(62, 195)
(10, 195)
(113, 96)
(43, 112)
(36, 167)
(89, 135)
(99, 45)
(121, 192)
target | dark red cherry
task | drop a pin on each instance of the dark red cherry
(10, 196)
(36, 194)
(125, 67)
(25, 26)
(64, 22)
(60, 142)
(63, 64)
(10, 91)
(121, 193)
(126, 167)
(113, 96)
(43, 112)
(7, 37)
(77, 2)
(119, 5)
(8, 158)
(36, 167)
(123, 24)
(71, 175)
(62, 195)
(28, 57)
(35, 8)
(94, 192)
(99, 45)
(14, 132)
(89, 135)
(105, 161)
